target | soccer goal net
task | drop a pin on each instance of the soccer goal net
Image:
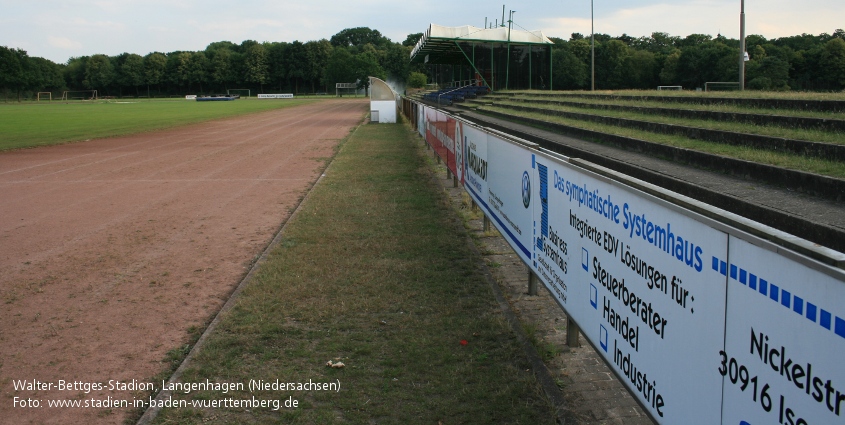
(44, 95)
(346, 88)
(721, 86)
(79, 95)
(239, 92)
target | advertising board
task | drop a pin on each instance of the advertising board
(630, 270)
(702, 322)
(440, 134)
(784, 356)
(509, 192)
(276, 96)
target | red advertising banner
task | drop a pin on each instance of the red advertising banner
(441, 133)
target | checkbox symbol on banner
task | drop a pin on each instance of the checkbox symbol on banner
(603, 338)
(585, 259)
(594, 296)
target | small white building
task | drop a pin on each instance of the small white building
(382, 102)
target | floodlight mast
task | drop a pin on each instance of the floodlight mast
(592, 48)
(742, 46)
(508, 66)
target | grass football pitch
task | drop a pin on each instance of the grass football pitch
(48, 123)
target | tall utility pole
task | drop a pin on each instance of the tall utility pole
(593, 48)
(508, 69)
(742, 45)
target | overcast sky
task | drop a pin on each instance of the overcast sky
(60, 29)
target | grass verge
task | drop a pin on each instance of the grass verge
(717, 107)
(762, 156)
(374, 271)
(39, 124)
(811, 135)
(747, 94)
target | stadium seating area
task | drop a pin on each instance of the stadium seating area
(451, 95)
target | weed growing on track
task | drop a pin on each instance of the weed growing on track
(375, 272)
(39, 124)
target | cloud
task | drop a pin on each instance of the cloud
(778, 18)
(64, 43)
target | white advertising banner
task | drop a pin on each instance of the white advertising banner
(784, 356)
(475, 164)
(421, 119)
(703, 323)
(632, 272)
(276, 96)
(508, 198)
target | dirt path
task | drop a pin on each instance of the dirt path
(112, 249)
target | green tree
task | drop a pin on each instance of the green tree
(610, 64)
(711, 61)
(99, 72)
(278, 73)
(358, 37)
(832, 61)
(296, 63)
(155, 65)
(74, 72)
(339, 68)
(412, 39)
(396, 61)
(317, 54)
(769, 73)
(219, 72)
(11, 70)
(179, 69)
(198, 69)
(45, 75)
(256, 69)
(640, 70)
(343, 67)
(132, 71)
(570, 72)
(417, 80)
(669, 73)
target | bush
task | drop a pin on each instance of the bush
(417, 80)
(760, 83)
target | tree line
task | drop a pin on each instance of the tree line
(804, 62)
(289, 67)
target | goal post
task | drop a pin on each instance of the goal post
(48, 94)
(341, 88)
(79, 95)
(721, 86)
(248, 91)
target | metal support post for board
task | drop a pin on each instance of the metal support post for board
(454, 181)
(448, 173)
(437, 156)
(486, 225)
(572, 333)
(532, 283)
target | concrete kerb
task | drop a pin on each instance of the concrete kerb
(152, 412)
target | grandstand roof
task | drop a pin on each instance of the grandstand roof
(437, 45)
